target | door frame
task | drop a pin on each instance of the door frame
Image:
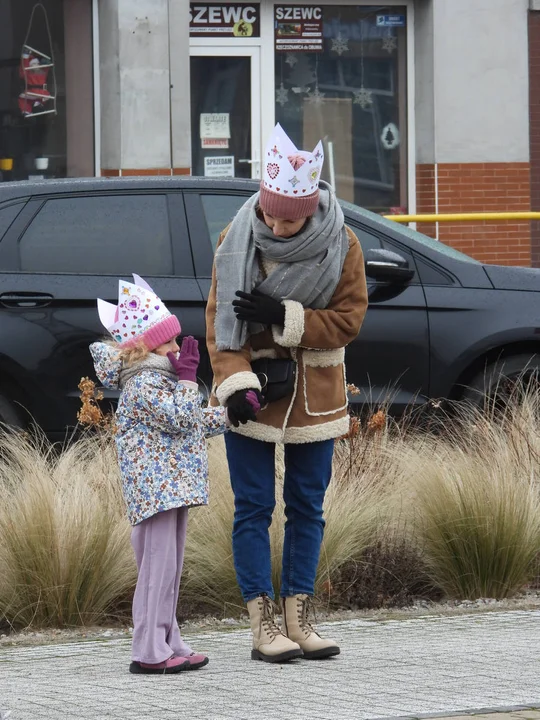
(253, 52)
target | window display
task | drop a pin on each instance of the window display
(341, 75)
(36, 115)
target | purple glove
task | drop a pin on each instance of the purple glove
(253, 400)
(185, 366)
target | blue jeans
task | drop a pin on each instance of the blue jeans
(308, 469)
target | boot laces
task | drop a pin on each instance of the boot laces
(305, 608)
(267, 616)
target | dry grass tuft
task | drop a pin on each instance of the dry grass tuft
(65, 555)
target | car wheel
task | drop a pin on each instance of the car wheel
(508, 378)
(8, 413)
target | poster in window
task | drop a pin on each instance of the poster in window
(298, 28)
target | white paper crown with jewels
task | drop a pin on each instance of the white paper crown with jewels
(139, 317)
(291, 177)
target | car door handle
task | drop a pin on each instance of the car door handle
(25, 299)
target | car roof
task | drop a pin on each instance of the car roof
(26, 188)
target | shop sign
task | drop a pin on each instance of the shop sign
(299, 28)
(391, 21)
(214, 19)
(219, 167)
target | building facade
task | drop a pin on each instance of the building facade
(422, 105)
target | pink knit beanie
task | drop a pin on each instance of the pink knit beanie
(289, 207)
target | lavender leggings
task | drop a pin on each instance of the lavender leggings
(159, 544)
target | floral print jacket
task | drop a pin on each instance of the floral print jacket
(161, 431)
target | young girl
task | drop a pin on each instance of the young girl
(161, 431)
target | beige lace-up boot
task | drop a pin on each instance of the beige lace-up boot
(269, 643)
(296, 626)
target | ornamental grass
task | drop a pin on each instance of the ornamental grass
(448, 513)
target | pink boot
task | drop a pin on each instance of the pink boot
(197, 660)
(174, 664)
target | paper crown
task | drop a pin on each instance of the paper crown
(140, 316)
(279, 174)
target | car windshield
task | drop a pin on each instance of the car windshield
(410, 233)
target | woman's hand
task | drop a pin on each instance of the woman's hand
(185, 366)
(242, 406)
(259, 308)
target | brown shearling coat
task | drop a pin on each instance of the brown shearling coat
(316, 340)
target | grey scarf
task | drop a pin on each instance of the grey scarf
(153, 362)
(309, 269)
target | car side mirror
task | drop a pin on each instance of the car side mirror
(388, 266)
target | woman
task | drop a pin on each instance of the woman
(288, 282)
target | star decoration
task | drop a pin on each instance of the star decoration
(282, 95)
(291, 59)
(340, 45)
(389, 44)
(363, 97)
(316, 97)
(294, 181)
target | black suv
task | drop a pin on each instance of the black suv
(439, 324)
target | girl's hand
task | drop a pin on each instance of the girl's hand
(185, 366)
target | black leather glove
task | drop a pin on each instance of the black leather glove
(241, 410)
(259, 308)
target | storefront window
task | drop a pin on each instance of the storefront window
(341, 75)
(41, 119)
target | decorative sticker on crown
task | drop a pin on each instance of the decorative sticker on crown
(273, 170)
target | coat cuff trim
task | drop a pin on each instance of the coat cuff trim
(323, 358)
(290, 335)
(295, 435)
(239, 381)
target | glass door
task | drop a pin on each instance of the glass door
(225, 112)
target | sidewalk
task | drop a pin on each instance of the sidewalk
(398, 668)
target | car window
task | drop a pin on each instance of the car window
(219, 210)
(431, 275)
(113, 235)
(411, 234)
(7, 216)
(368, 241)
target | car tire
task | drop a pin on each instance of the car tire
(499, 379)
(8, 413)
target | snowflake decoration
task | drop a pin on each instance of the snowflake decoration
(291, 59)
(340, 45)
(389, 44)
(316, 97)
(363, 97)
(282, 95)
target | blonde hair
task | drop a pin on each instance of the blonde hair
(129, 355)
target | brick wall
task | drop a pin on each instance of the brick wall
(534, 119)
(480, 187)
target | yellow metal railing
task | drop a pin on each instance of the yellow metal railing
(464, 217)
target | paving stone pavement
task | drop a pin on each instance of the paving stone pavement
(397, 668)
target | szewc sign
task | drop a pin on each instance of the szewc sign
(224, 20)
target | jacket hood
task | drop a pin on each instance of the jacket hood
(107, 364)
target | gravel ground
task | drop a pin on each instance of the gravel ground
(528, 601)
